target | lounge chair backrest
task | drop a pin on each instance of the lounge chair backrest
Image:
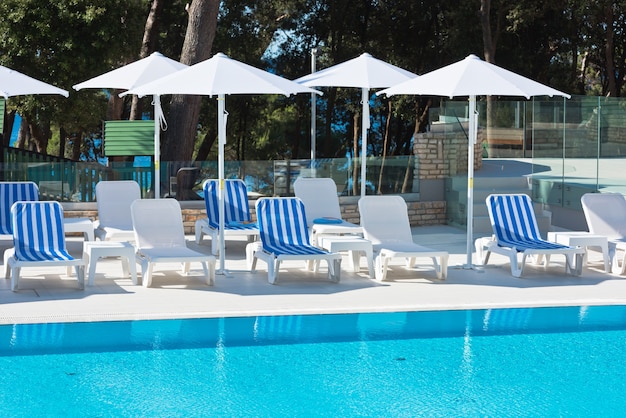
(605, 214)
(282, 223)
(512, 218)
(158, 223)
(38, 233)
(319, 196)
(11, 192)
(384, 219)
(236, 207)
(113, 199)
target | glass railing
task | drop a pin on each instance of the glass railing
(572, 146)
(70, 181)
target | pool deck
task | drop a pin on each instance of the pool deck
(242, 293)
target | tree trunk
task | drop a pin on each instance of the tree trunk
(385, 146)
(62, 139)
(115, 106)
(328, 116)
(9, 119)
(609, 51)
(489, 51)
(148, 46)
(205, 146)
(185, 110)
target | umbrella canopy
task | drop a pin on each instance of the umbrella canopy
(14, 83)
(133, 75)
(365, 72)
(472, 77)
(219, 76)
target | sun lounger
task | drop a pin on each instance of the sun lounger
(39, 240)
(113, 199)
(160, 238)
(385, 223)
(285, 236)
(515, 231)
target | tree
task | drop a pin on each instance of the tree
(64, 42)
(184, 110)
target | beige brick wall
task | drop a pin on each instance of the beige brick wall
(420, 214)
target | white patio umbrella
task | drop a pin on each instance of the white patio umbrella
(14, 83)
(219, 76)
(364, 72)
(472, 77)
(133, 75)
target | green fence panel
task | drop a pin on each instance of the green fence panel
(128, 137)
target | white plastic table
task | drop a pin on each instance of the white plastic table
(82, 225)
(585, 240)
(355, 246)
(94, 250)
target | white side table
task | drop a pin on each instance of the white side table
(585, 240)
(94, 250)
(83, 225)
(355, 246)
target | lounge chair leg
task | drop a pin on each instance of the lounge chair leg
(516, 271)
(80, 275)
(382, 264)
(617, 267)
(198, 228)
(438, 268)
(334, 270)
(209, 273)
(15, 277)
(146, 273)
(214, 242)
(272, 271)
(444, 267)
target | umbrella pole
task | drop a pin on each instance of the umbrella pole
(221, 123)
(470, 179)
(313, 118)
(365, 124)
(158, 114)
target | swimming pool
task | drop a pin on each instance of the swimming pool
(562, 361)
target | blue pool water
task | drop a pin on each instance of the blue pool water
(565, 361)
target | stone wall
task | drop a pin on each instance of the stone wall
(420, 213)
(442, 152)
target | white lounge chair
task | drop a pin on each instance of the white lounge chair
(515, 231)
(160, 238)
(606, 216)
(285, 236)
(39, 240)
(237, 219)
(385, 223)
(323, 212)
(113, 199)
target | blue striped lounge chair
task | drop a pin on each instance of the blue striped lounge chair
(11, 192)
(515, 231)
(385, 221)
(39, 240)
(160, 238)
(285, 236)
(237, 219)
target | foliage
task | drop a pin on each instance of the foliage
(573, 45)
